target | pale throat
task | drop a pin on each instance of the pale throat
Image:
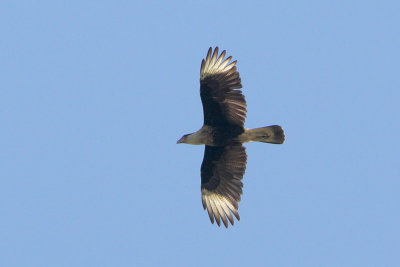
(198, 138)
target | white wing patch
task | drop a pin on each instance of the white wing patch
(213, 64)
(218, 207)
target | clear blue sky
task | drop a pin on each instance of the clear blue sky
(95, 94)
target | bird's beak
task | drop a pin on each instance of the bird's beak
(182, 140)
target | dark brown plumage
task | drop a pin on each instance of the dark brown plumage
(223, 133)
(222, 171)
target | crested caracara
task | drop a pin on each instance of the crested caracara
(223, 134)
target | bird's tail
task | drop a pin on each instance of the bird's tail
(271, 134)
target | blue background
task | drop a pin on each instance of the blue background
(94, 95)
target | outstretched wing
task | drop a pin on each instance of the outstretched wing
(222, 171)
(223, 104)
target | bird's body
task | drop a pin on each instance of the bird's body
(221, 136)
(223, 133)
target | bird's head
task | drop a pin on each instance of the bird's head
(183, 139)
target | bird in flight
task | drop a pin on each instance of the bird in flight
(223, 134)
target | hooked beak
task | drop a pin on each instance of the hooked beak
(182, 140)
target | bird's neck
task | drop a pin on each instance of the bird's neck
(198, 138)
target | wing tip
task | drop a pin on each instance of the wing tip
(219, 208)
(214, 63)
